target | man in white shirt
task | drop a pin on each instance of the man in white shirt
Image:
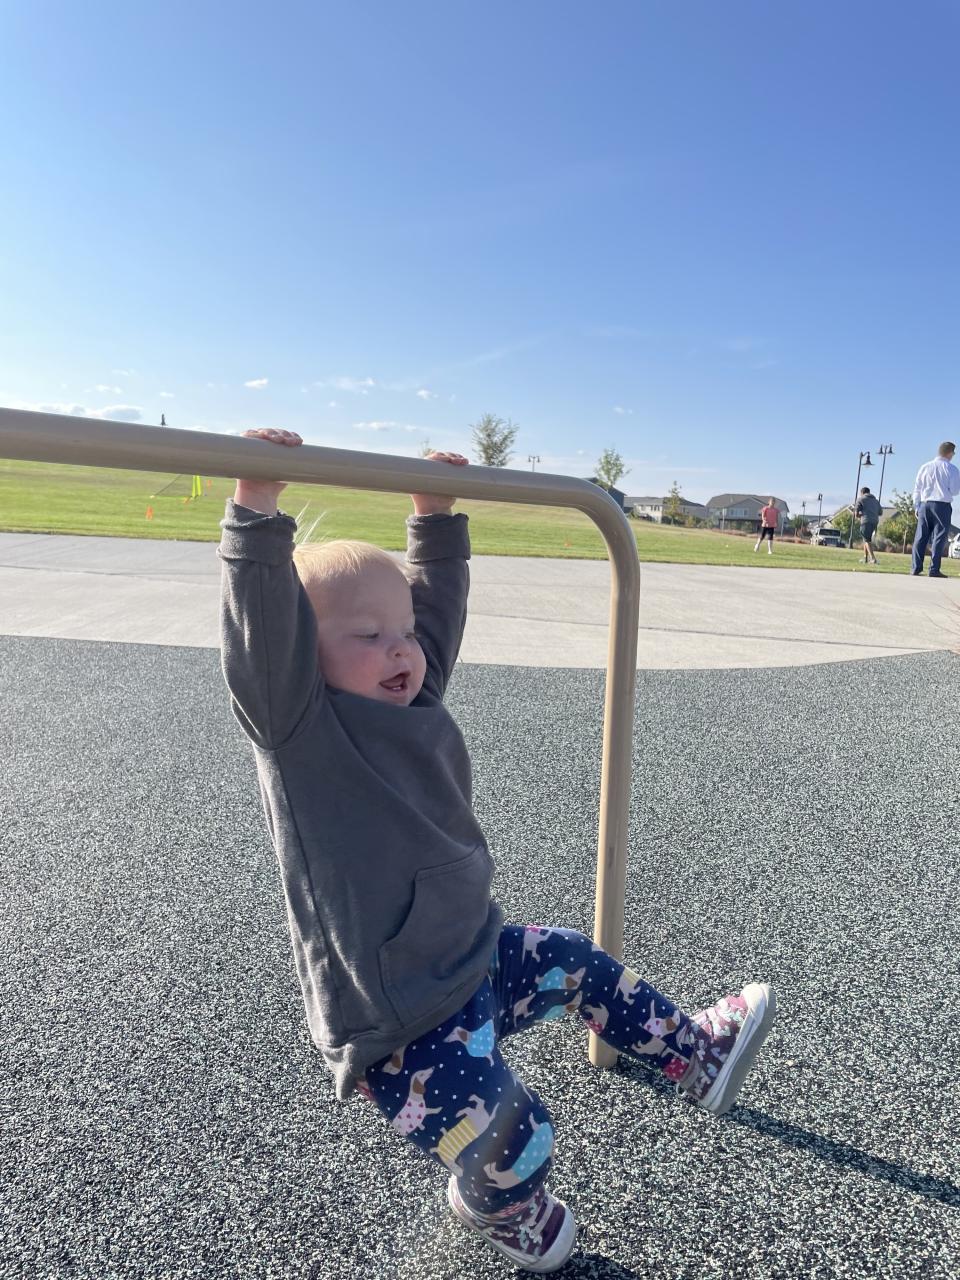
(938, 483)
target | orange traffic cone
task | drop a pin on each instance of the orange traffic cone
(149, 515)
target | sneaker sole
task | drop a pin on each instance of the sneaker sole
(559, 1253)
(761, 1010)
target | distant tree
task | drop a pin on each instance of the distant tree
(799, 525)
(610, 468)
(673, 506)
(426, 448)
(901, 527)
(841, 522)
(493, 438)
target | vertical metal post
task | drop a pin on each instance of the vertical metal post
(615, 778)
(885, 451)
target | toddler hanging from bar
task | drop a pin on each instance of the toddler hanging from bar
(337, 659)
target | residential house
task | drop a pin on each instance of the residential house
(885, 512)
(616, 494)
(653, 508)
(742, 510)
(647, 508)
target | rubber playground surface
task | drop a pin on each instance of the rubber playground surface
(165, 1115)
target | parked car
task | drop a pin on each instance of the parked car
(954, 552)
(824, 537)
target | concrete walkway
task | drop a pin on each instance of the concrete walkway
(524, 612)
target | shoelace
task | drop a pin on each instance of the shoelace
(533, 1234)
(530, 1231)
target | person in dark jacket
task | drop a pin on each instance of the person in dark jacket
(869, 511)
(337, 658)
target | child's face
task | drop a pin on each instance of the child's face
(366, 639)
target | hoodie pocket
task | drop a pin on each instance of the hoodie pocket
(442, 937)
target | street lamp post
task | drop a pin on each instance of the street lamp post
(864, 461)
(533, 459)
(885, 450)
(820, 512)
(803, 519)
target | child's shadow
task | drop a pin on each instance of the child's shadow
(823, 1148)
(596, 1267)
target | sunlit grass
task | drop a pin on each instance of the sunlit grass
(37, 498)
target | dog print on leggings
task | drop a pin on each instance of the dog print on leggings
(628, 985)
(415, 1110)
(479, 1043)
(476, 1120)
(533, 1155)
(533, 935)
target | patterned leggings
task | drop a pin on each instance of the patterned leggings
(451, 1093)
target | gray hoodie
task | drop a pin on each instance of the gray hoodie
(385, 869)
(869, 509)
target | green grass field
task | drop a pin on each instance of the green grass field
(36, 498)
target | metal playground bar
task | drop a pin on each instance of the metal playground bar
(91, 442)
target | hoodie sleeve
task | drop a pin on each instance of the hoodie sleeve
(438, 548)
(268, 632)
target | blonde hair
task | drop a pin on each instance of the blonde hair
(319, 564)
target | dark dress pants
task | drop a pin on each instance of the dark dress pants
(933, 526)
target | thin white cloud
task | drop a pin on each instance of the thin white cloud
(498, 353)
(360, 386)
(110, 412)
(103, 386)
(618, 331)
(74, 410)
(401, 384)
(124, 373)
(575, 464)
(257, 384)
(387, 424)
(166, 395)
(118, 413)
(618, 408)
(671, 469)
(333, 404)
(424, 394)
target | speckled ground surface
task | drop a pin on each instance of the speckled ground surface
(164, 1115)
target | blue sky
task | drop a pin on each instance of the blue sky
(720, 238)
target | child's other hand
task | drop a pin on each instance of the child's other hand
(274, 434)
(262, 495)
(430, 504)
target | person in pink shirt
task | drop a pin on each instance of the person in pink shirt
(769, 517)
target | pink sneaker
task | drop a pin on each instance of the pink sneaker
(540, 1239)
(732, 1032)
